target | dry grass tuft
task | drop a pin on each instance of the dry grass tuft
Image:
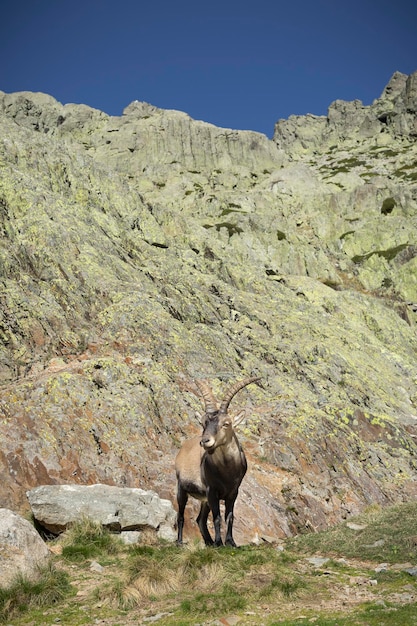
(157, 581)
(210, 577)
(260, 577)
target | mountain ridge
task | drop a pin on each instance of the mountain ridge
(139, 253)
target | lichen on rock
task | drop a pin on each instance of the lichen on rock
(142, 252)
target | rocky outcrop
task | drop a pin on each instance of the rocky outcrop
(145, 139)
(390, 118)
(139, 253)
(56, 507)
(22, 551)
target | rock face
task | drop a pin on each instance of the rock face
(390, 118)
(22, 551)
(55, 507)
(138, 253)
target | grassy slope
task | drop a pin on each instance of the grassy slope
(252, 585)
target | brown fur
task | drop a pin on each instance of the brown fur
(210, 468)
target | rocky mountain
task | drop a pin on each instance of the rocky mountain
(138, 253)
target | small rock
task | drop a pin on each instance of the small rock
(399, 567)
(354, 526)
(411, 570)
(155, 618)
(231, 620)
(382, 567)
(96, 567)
(130, 537)
(317, 561)
(377, 544)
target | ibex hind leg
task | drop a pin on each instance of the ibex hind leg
(202, 523)
(182, 498)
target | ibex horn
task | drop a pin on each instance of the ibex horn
(208, 397)
(233, 391)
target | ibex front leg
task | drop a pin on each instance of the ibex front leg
(202, 523)
(214, 503)
(229, 517)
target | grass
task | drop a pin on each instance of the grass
(258, 584)
(88, 540)
(385, 535)
(372, 615)
(195, 580)
(51, 587)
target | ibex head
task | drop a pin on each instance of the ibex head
(217, 424)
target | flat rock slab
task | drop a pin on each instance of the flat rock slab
(55, 507)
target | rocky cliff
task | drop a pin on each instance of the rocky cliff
(140, 252)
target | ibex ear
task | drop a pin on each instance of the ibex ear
(199, 418)
(239, 418)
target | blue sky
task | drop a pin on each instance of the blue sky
(236, 64)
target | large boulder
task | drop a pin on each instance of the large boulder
(22, 551)
(55, 507)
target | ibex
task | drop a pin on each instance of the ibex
(211, 467)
